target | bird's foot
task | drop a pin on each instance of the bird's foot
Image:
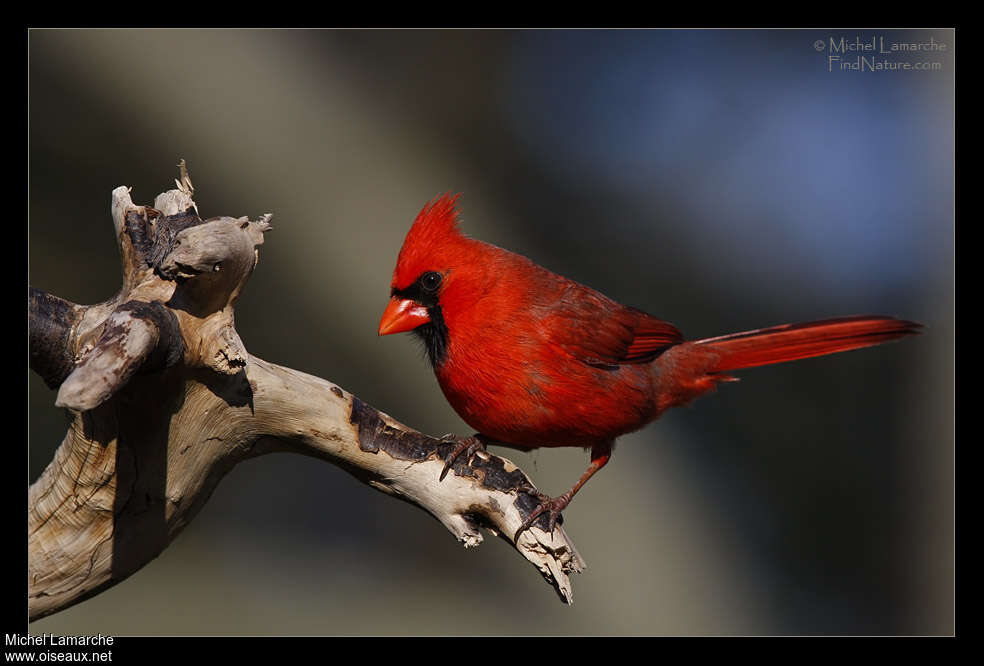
(552, 506)
(467, 446)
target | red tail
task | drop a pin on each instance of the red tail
(790, 342)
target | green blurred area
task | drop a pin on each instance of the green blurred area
(814, 497)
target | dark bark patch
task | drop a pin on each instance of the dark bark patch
(154, 236)
(494, 474)
(375, 435)
(166, 233)
(526, 503)
(137, 227)
(50, 322)
(367, 423)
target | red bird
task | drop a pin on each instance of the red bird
(532, 359)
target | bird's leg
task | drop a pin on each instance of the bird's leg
(554, 505)
(468, 446)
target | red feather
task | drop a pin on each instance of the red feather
(598, 331)
(790, 342)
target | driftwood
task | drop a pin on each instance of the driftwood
(165, 400)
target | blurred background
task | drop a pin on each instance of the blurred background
(722, 180)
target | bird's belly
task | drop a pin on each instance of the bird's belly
(525, 405)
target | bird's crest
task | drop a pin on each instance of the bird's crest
(433, 232)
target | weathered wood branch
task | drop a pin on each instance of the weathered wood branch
(166, 400)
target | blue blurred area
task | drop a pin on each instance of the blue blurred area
(847, 172)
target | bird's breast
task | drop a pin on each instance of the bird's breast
(525, 392)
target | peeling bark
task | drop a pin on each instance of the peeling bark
(166, 399)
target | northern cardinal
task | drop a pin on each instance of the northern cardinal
(532, 359)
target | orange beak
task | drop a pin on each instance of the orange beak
(402, 315)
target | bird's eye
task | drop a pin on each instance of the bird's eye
(431, 281)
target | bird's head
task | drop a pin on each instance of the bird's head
(432, 274)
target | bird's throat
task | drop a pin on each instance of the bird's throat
(435, 336)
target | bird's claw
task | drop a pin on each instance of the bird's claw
(468, 446)
(552, 505)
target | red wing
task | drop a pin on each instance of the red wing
(595, 329)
